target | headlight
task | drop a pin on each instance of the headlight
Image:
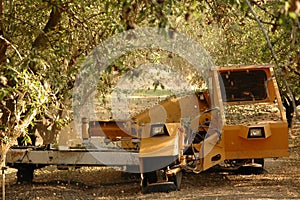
(256, 132)
(158, 129)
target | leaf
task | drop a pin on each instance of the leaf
(155, 84)
(3, 80)
(293, 15)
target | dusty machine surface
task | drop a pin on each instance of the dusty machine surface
(237, 123)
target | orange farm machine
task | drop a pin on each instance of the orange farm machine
(238, 123)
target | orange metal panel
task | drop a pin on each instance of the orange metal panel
(237, 147)
(109, 129)
(159, 146)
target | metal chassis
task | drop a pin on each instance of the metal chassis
(72, 157)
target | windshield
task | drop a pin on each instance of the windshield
(246, 85)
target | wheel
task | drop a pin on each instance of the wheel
(25, 173)
(151, 182)
(260, 161)
(246, 170)
(259, 170)
(148, 178)
(176, 179)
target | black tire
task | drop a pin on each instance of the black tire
(260, 161)
(151, 177)
(25, 173)
(176, 179)
(247, 170)
(148, 178)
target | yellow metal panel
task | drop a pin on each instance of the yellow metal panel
(172, 110)
(172, 128)
(245, 129)
(213, 148)
(159, 146)
(278, 97)
(237, 147)
(243, 67)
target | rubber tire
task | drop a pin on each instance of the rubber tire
(260, 161)
(148, 177)
(25, 173)
(176, 179)
(253, 170)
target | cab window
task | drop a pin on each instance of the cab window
(246, 85)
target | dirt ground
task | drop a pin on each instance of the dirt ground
(280, 180)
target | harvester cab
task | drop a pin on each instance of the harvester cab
(255, 124)
(236, 124)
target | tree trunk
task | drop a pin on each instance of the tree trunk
(41, 42)
(4, 150)
(3, 44)
(289, 109)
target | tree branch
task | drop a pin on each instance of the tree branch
(264, 32)
(3, 48)
(273, 54)
(3, 44)
(41, 41)
(292, 70)
(263, 9)
(8, 43)
(263, 22)
(70, 12)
